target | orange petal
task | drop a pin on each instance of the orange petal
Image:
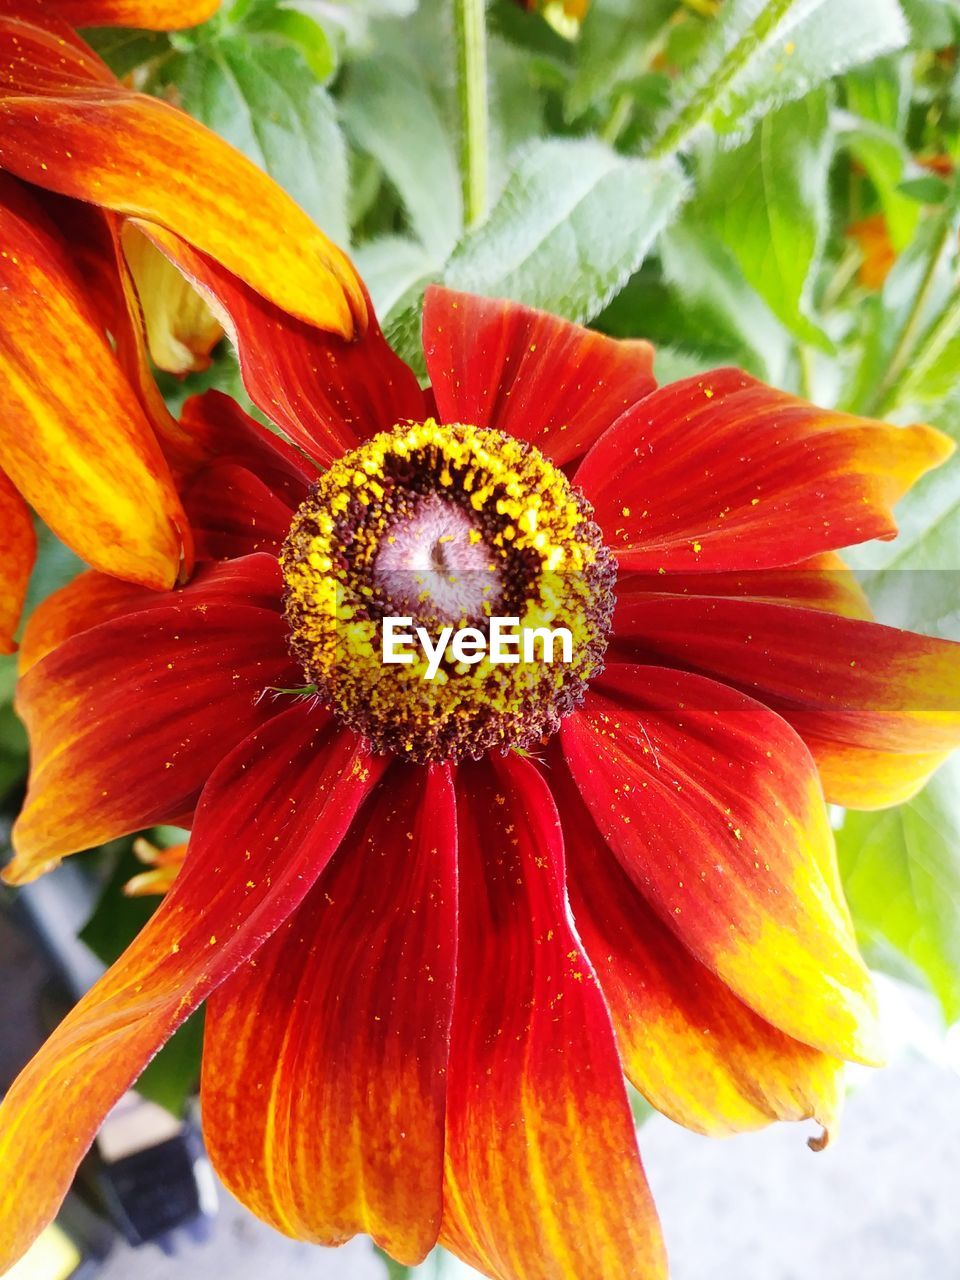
(73, 438)
(274, 813)
(878, 707)
(91, 598)
(18, 547)
(325, 1060)
(722, 473)
(164, 865)
(713, 806)
(543, 1177)
(139, 156)
(693, 1050)
(153, 15)
(128, 719)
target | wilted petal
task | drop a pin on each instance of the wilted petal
(494, 363)
(713, 806)
(325, 1059)
(543, 1177)
(181, 328)
(272, 815)
(720, 472)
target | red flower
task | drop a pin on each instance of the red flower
(409, 1032)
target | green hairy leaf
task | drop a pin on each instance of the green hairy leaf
(767, 200)
(573, 223)
(901, 871)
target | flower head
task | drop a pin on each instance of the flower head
(434, 930)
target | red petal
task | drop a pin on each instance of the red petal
(271, 816)
(720, 472)
(822, 582)
(543, 1177)
(91, 598)
(689, 1045)
(328, 395)
(223, 432)
(40, 53)
(495, 363)
(713, 806)
(242, 499)
(128, 719)
(325, 1059)
(18, 546)
(878, 707)
(233, 513)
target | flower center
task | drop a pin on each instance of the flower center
(428, 531)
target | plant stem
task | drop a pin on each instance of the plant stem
(935, 342)
(676, 131)
(471, 37)
(885, 394)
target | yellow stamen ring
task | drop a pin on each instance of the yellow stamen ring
(449, 525)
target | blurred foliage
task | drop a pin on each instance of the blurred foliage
(771, 183)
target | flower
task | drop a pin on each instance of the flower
(84, 437)
(873, 237)
(426, 972)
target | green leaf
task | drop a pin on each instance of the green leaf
(836, 36)
(706, 277)
(262, 97)
(763, 53)
(928, 189)
(880, 93)
(616, 45)
(905, 330)
(391, 113)
(885, 158)
(171, 1078)
(13, 736)
(123, 50)
(289, 26)
(392, 266)
(901, 871)
(573, 223)
(768, 201)
(934, 24)
(116, 920)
